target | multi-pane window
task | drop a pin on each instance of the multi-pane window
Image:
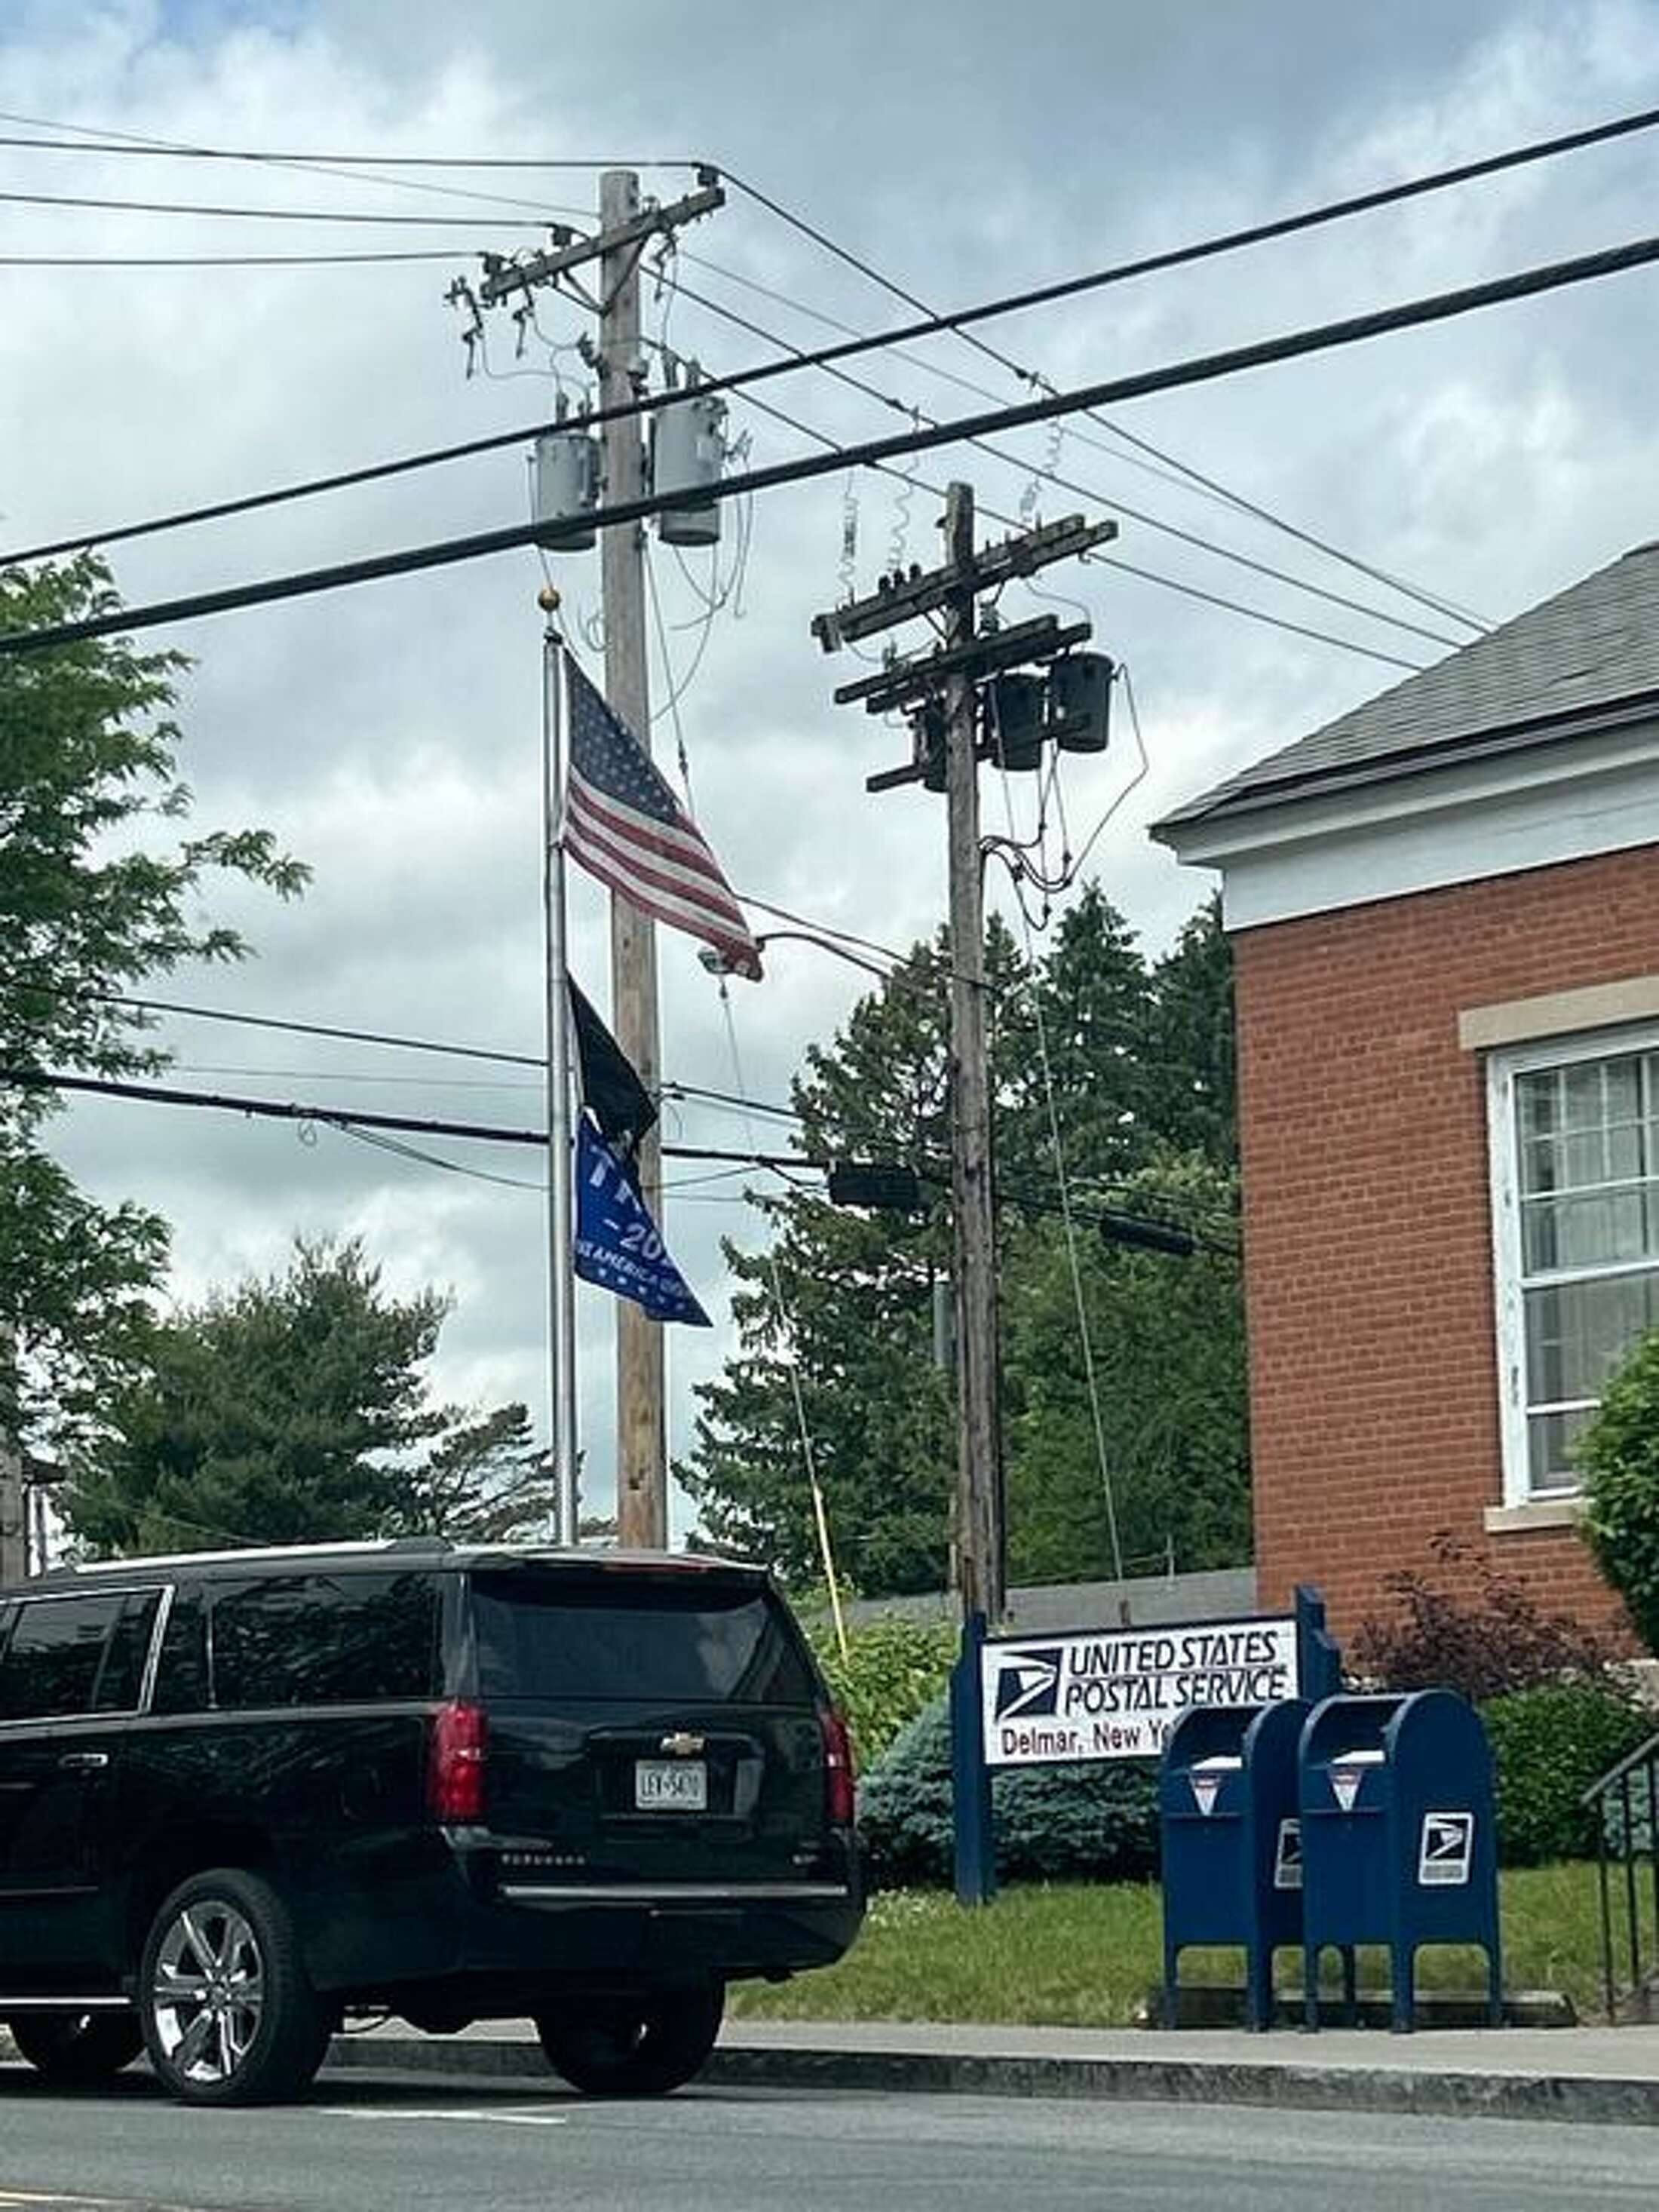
(1579, 1238)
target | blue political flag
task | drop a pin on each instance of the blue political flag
(618, 1246)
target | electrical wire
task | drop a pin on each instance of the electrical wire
(289, 1109)
(1111, 561)
(1292, 345)
(104, 141)
(1085, 1337)
(262, 215)
(225, 260)
(908, 481)
(1463, 172)
(960, 319)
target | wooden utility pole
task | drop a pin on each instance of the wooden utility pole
(641, 1434)
(942, 688)
(979, 1537)
(627, 227)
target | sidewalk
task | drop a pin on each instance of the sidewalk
(1578, 2074)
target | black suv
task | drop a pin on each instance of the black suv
(245, 1794)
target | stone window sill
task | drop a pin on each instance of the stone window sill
(1535, 1513)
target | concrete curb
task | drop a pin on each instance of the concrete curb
(1601, 2100)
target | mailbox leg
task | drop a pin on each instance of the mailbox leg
(1310, 1986)
(1350, 1985)
(1259, 1985)
(1402, 1968)
(1171, 1983)
(1494, 1984)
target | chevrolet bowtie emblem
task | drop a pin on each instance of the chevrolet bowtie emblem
(681, 1746)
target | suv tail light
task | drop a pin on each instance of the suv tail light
(839, 1799)
(455, 1774)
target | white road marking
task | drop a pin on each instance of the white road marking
(505, 2119)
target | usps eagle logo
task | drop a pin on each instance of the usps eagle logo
(1028, 1684)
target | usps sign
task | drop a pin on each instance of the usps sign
(1116, 1694)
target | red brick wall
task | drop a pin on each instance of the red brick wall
(1368, 1239)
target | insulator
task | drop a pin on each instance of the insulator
(688, 451)
(1014, 717)
(567, 485)
(1080, 702)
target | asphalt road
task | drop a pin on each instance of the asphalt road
(369, 2144)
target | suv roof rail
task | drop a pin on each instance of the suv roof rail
(357, 1546)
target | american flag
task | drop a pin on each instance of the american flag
(624, 825)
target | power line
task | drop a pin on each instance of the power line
(381, 1037)
(1111, 561)
(930, 326)
(1049, 475)
(1463, 172)
(1292, 345)
(103, 140)
(224, 261)
(259, 214)
(290, 1109)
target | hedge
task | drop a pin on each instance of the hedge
(1095, 1823)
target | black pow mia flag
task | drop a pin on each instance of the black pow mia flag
(610, 1090)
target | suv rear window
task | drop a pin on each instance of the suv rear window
(677, 1641)
(324, 1640)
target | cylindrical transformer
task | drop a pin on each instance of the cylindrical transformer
(1014, 723)
(688, 451)
(567, 485)
(1080, 702)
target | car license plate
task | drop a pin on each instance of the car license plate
(671, 1785)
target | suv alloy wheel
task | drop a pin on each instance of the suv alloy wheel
(637, 2046)
(229, 2017)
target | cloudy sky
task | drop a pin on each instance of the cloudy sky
(389, 734)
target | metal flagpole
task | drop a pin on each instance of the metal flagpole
(561, 1222)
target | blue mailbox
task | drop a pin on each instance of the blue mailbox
(1398, 1836)
(1232, 1866)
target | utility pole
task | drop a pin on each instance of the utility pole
(942, 690)
(641, 1438)
(980, 1546)
(627, 227)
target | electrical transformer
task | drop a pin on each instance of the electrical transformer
(566, 485)
(688, 451)
(1015, 721)
(1080, 702)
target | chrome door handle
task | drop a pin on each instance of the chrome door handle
(84, 1761)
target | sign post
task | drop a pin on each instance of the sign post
(971, 1777)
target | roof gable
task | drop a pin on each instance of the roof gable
(1589, 648)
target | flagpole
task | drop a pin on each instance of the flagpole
(560, 1226)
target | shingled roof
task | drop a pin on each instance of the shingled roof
(1592, 647)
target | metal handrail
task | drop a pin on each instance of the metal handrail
(1637, 1758)
(1616, 1783)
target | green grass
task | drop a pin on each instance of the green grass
(1077, 1955)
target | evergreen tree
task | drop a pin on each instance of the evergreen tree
(292, 1409)
(840, 1303)
(99, 890)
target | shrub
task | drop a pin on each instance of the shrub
(1619, 1454)
(893, 1668)
(1550, 1744)
(1098, 1823)
(1486, 1636)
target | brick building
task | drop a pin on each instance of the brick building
(1444, 910)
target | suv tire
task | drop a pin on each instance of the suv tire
(77, 2049)
(639, 2046)
(229, 2014)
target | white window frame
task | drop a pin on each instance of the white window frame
(1502, 1067)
